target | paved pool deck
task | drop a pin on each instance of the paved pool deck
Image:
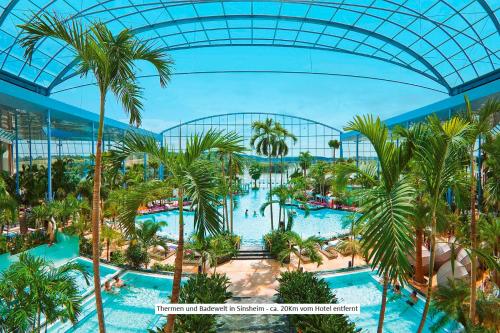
(256, 278)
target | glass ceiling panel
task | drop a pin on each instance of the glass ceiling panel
(448, 41)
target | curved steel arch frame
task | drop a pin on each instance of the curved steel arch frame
(386, 31)
(312, 136)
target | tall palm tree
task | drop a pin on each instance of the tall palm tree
(282, 193)
(439, 150)
(283, 135)
(352, 244)
(111, 59)
(146, 233)
(282, 149)
(263, 141)
(480, 125)
(386, 208)
(492, 172)
(305, 161)
(334, 144)
(235, 167)
(192, 174)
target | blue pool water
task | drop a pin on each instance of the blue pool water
(105, 273)
(364, 288)
(62, 251)
(131, 309)
(323, 223)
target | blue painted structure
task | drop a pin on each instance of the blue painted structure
(439, 39)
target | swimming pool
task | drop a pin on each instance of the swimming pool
(322, 223)
(106, 272)
(131, 309)
(364, 288)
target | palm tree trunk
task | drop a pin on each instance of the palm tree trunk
(96, 201)
(383, 306)
(431, 271)
(270, 187)
(281, 184)
(176, 288)
(230, 195)
(224, 197)
(473, 240)
(419, 239)
(107, 249)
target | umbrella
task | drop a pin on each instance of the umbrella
(426, 256)
(443, 253)
(445, 272)
(464, 258)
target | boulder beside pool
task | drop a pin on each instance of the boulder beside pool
(447, 272)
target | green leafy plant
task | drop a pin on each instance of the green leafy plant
(305, 288)
(137, 255)
(118, 258)
(32, 289)
(157, 267)
(202, 288)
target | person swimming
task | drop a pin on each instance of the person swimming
(108, 286)
(413, 299)
(119, 282)
(254, 213)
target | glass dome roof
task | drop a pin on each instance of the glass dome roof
(451, 42)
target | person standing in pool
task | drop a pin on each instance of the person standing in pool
(119, 282)
(254, 213)
(246, 213)
(413, 299)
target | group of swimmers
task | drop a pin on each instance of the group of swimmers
(292, 212)
(117, 283)
(254, 213)
(412, 299)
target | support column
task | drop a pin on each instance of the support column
(29, 143)
(49, 157)
(160, 169)
(357, 150)
(59, 147)
(17, 153)
(341, 149)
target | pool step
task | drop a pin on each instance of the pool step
(247, 253)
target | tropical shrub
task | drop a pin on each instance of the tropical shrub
(137, 255)
(118, 258)
(157, 267)
(32, 289)
(305, 288)
(202, 288)
(85, 247)
(20, 243)
(450, 309)
(276, 242)
(3, 245)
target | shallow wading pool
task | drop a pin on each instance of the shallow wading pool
(128, 309)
